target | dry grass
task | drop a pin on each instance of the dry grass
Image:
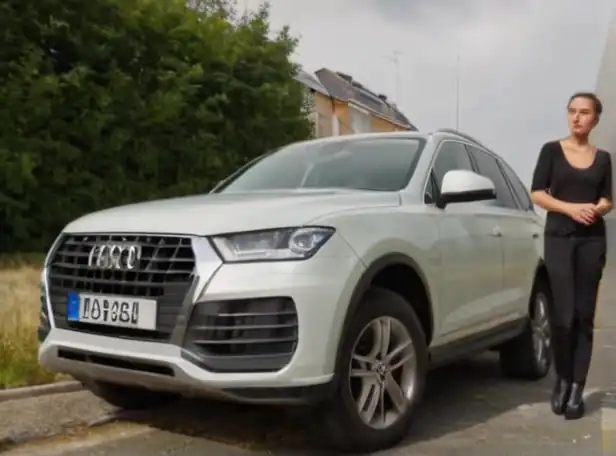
(19, 319)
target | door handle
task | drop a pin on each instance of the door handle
(496, 232)
(535, 235)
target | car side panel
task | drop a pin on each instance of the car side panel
(409, 231)
(520, 234)
(472, 271)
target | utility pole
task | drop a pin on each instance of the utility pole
(458, 92)
(394, 57)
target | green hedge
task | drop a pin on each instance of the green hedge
(105, 102)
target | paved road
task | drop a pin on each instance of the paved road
(469, 409)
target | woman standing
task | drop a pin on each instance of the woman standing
(573, 183)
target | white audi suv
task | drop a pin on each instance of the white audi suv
(331, 274)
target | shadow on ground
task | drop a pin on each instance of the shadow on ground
(458, 397)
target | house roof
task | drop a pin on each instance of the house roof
(344, 87)
(311, 81)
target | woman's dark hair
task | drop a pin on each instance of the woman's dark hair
(597, 105)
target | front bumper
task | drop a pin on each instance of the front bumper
(320, 289)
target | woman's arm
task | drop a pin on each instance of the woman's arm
(549, 203)
(604, 205)
(542, 177)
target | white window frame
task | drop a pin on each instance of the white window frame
(357, 113)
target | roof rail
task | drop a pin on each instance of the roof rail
(453, 131)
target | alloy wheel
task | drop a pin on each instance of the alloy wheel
(383, 372)
(541, 331)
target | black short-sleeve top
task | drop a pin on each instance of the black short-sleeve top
(554, 174)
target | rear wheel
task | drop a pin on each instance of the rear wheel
(129, 397)
(380, 377)
(529, 356)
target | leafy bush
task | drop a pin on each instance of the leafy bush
(106, 102)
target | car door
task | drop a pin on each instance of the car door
(471, 257)
(514, 231)
(521, 253)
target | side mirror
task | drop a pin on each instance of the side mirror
(462, 186)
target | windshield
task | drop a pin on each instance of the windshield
(384, 164)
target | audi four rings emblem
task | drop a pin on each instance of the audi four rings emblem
(115, 256)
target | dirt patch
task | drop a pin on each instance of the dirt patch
(29, 419)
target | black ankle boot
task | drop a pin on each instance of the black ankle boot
(560, 396)
(574, 409)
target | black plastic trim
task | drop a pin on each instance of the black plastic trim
(137, 365)
(465, 197)
(42, 333)
(238, 364)
(216, 341)
(477, 343)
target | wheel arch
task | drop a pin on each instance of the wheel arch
(375, 275)
(541, 276)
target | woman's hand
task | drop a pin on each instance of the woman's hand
(586, 214)
(603, 207)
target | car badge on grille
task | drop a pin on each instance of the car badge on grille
(115, 256)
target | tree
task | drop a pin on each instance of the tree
(108, 102)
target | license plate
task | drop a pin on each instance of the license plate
(121, 311)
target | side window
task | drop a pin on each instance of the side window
(518, 187)
(451, 155)
(488, 167)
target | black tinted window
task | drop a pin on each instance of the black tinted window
(451, 155)
(488, 167)
(518, 187)
(372, 164)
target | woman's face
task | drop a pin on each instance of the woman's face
(581, 116)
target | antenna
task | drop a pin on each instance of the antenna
(394, 57)
(458, 92)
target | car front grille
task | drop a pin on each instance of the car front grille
(247, 335)
(165, 273)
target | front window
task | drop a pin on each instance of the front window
(385, 164)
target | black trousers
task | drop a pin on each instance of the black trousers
(575, 267)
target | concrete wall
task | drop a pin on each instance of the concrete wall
(604, 136)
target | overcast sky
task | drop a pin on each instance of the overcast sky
(519, 59)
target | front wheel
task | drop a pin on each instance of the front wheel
(380, 377)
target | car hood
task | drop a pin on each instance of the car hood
(224, 213)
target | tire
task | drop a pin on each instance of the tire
(129, 397)
(520, 357)
(340, 420)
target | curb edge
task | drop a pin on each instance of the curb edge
(12, 394)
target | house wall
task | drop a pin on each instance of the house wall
(324, 110)
(381, 125)
(377, 124)
(341, 110)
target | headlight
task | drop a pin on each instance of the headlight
(271, 245)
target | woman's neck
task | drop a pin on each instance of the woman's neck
(578, 140)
